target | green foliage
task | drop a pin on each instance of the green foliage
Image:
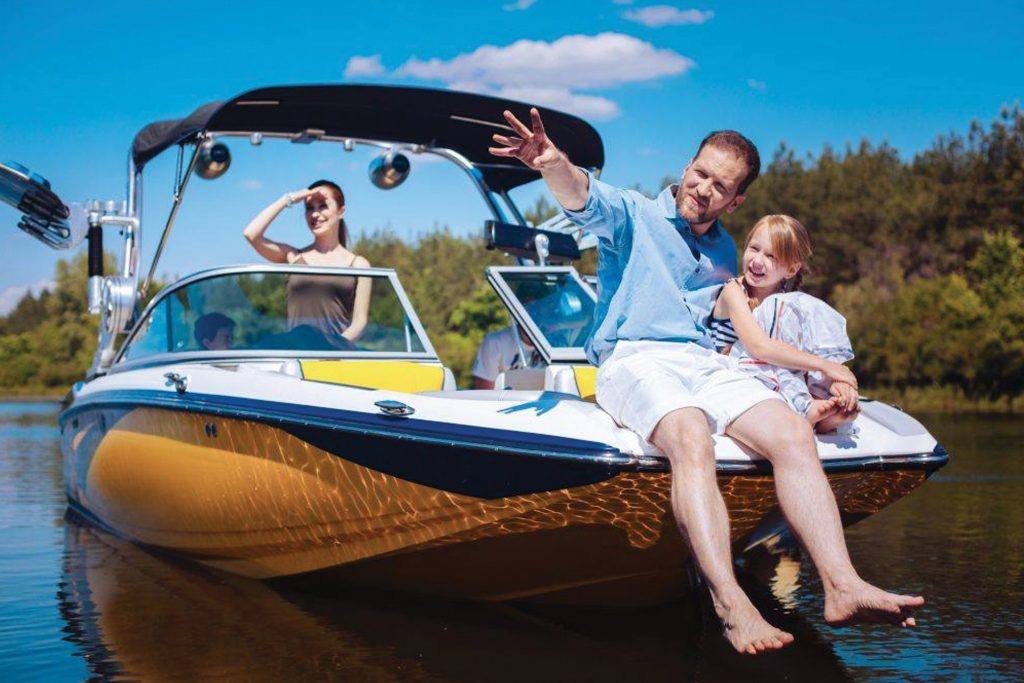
(27, 314)
(960, 332)
(541, 210)
(867, 210)
(482, 312)
(49, 344)
(998, 267)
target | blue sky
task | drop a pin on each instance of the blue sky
(652, 76)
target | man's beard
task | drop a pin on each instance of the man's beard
(694, 219)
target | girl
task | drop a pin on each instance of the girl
(774, 255)
(336, 305)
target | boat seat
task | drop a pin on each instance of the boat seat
(393, 375)
(578, 380)
(521, 379)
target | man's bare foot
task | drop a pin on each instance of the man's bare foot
(748, 632)
(858, 602)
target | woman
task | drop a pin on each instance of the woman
(338, 306)
(774, 259)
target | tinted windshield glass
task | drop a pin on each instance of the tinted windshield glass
(559, 306)
(277, 311)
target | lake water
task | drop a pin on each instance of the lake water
(76, 603)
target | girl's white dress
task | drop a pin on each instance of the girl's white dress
(808, 324)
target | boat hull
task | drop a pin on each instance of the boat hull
(256, 499)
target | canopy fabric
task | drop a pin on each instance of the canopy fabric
(462, 122)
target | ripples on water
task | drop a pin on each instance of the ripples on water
(78, 603)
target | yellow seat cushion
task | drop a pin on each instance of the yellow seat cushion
(586, 378)
(393, 375)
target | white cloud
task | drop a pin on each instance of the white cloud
(665, 15)
(757, 85)
(553, 73)
(10, 296)
(563, 99)
(556, 97)
(518, 5)
(250, 184)
(571, 62)
(364, 66)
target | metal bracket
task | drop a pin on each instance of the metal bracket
(541, 244)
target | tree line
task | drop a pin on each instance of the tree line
(923, 256)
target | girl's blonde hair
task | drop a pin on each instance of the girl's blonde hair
(790, 243)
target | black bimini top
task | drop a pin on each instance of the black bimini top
(446, 119)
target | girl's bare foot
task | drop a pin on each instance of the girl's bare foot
(748, 632)
(821, 409)
(858, 602)
(835, 421)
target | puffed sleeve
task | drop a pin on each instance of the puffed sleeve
(807, 323)
(811, 325)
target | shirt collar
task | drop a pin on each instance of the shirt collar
(667, 201)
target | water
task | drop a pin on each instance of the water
(76, 603)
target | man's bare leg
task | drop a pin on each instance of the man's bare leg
(786, 440)
(700, 512)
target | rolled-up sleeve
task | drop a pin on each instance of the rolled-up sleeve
(607, 211)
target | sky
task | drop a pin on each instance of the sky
(652, 77)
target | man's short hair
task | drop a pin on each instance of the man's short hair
(208, 325)
(738, 144)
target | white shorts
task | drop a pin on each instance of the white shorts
(643, 381)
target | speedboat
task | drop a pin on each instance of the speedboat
(289, 456)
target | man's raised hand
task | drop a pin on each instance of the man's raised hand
(532, 147)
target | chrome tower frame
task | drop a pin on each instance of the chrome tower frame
(117, 303)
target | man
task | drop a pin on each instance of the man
(660, 265)
(498, 352)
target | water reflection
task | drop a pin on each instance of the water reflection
(135, 614)
(77, 603)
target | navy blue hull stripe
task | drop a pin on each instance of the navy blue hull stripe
(484, 463)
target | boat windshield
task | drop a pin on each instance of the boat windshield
(554, 306)
(301, 310)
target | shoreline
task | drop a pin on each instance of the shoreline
(31, 398)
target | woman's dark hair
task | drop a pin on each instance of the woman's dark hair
(339, 197)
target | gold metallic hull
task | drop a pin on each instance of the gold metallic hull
(254, 500)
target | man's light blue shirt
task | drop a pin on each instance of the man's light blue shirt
(657, 280)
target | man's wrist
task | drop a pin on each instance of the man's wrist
(564, 161)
